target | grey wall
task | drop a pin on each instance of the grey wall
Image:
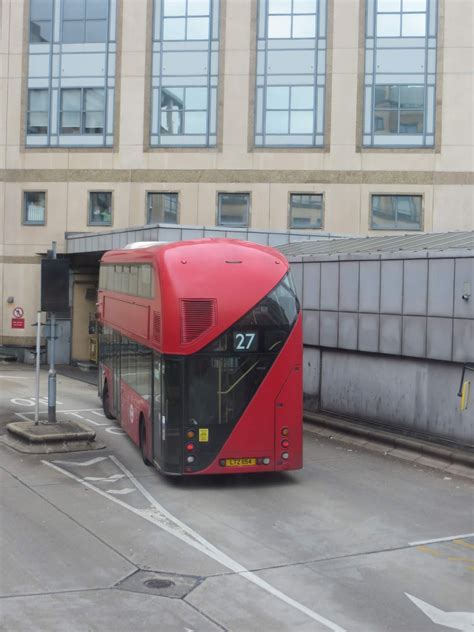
(385, 338)
(405, 393)
(409, 305)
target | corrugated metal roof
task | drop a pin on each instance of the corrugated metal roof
(397, 243)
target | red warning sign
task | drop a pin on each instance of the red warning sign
(18, 323)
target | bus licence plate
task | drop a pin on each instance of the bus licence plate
(240, 462)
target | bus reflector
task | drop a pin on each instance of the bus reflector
(285, 443)
(284, 455)
(190, 446)
(284, 432)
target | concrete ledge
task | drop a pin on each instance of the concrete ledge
(50, 433)
(397, 445)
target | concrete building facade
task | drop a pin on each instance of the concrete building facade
(321, 116)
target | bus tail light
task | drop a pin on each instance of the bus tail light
(284, 455)
(190, 446)
(263, 461)
(190, 434)
(190, 458)
(285, 443)
(284, 432)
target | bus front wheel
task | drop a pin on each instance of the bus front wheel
(106, 402)
(142, 434)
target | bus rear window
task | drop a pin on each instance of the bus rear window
(134, 279)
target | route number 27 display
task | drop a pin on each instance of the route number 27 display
(245, 341)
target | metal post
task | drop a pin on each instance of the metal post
(38, 359)
(52, 371)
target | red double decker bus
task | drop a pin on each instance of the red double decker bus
(201, 355)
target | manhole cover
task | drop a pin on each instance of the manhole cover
(157, 584)
(162, 584)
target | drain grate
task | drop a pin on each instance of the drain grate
(162, 584)
(158, 584)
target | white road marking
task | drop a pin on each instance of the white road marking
(121, 492)
(12, 377)
(82, 463)
(162, 518)
(94, 423)
(109, 479)
(98, 413)
(115, 431)
(463, 621)
(74, 410)
(91, 421)
(22, 416)
(448, 538)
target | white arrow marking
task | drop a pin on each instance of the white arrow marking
(83, 463)
(463, 621)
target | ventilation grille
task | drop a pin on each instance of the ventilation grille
(157, 327)
(197, 316)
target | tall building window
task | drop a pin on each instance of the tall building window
(396, 212)
(34, 208)
(82, 111)
(291, 73)
(400, 73)
(306, 210)
(71, 73)
(185, 72)
(233, 209)
(38, 111)
(100, 208)
(162, 208)
(41, 17)
(84, 21)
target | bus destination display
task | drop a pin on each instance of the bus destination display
(245, 340)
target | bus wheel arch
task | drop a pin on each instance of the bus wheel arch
(142, 436)
(106, 401)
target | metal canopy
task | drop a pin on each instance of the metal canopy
(397, 243)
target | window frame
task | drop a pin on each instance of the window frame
(84, 22)
(298, 120)
(219, 207)
(395, 228)
(428, 47)
(89, 207)
(147, 206)
(290, 216)
(208, 119)
(51, 26)
(82, 111)
(24, 220)
(29, 111)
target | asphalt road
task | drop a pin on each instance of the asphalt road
(97, 541)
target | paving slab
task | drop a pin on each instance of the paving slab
(102, 611)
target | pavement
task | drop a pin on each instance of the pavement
(359, 540)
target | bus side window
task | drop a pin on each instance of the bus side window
(133, 280)
(144, 373)
(118, 279)
(144, 281)
(125, 279)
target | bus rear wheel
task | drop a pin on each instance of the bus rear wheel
(106, 402)
(142, 437)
